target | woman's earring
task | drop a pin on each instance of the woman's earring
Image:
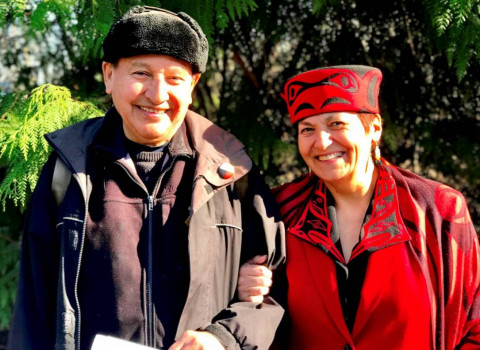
(376, 154)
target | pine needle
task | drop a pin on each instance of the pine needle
(25, 150)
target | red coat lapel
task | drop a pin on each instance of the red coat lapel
(310, 221)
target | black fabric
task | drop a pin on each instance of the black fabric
(148, 162)
(350, 276)
(150, 30)
(171, 259)
(350, 280)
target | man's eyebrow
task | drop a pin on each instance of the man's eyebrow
(144, 65)
(140, 65)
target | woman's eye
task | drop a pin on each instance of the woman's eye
(306, 130)
(337, 124)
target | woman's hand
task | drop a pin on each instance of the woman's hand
(254, 280)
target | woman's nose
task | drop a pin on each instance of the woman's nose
(322, 139)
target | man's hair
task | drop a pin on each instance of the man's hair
(146, 30)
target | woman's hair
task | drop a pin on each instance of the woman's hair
(367, 119)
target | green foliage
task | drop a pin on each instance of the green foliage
(10, 228)
(236, 9)
(11, 9)
(319, 6)
(212, 15)
(23, 148)
(453, 25)
(9, 267)
(81, 24)
(456, 28)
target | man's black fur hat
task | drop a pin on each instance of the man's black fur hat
(150, 30)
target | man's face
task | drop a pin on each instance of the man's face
(152, 94)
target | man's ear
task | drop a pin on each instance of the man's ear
(107, 69)
(195, 79)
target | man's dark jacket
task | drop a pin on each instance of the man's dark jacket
(231, 220)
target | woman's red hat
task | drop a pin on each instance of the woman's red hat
(351, 88)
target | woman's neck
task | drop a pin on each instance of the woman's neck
(351, 204)
(348, 192)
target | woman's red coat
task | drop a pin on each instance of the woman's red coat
(422, 284)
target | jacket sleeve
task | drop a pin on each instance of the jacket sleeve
(33, 321)
(466, 281)
(471, 338)
(461, 261)
(253, 326)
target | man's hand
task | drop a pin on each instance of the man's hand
(195, 340)
(254, 280)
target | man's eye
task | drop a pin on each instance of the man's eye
(176, 78)
(140, 73)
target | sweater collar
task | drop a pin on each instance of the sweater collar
(110, 138)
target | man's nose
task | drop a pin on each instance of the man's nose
(157, 91)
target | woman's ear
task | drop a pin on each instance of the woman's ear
(376, 128)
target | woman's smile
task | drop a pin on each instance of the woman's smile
(330, 156)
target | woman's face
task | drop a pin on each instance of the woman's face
(336, 146)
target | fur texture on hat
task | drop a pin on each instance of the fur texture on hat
(150, 30)
(351, 88)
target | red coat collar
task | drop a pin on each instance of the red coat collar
(384, 227)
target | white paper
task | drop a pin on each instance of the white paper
(105, 342)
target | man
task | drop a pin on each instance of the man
(162, 209)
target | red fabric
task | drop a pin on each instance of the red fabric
(333, 89)
(421, 289)
(384, 228)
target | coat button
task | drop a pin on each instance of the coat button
(226, 171)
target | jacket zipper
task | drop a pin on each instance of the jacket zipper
(149, 307)
(80, 255)
(77, 301)
(149, 312)
(150, 326)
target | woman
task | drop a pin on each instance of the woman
(377, 257)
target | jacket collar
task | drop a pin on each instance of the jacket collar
(383, 228)
(71, 144)
(208, 143)
(213, 147)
